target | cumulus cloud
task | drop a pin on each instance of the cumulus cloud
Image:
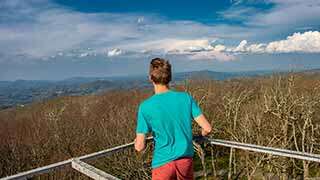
(195, 49)
(307, 42)
(241, 47)
(201, 49)
(219, 48)
(198, 49)
(299, 42)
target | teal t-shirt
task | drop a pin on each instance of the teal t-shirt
(168, 116)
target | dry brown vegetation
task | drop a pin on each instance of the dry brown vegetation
(277, 111)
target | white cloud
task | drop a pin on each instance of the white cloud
(209, 55)
(241, 47)
(182, 45)
(299, 42)
(307, 42)
(219, 48)
(293, 15)
(54, 29)
(51, 30)
(84, 55)
(256, 48)
(201, 49)
(114, 52)
(238, 13)
(273, 18)
(196, 49)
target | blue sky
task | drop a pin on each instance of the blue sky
(57, 39)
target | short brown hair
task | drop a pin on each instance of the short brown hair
(160, 71)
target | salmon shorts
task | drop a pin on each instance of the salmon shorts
(181, 169)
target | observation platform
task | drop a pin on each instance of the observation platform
(80, 163)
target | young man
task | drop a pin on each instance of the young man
(168, 114)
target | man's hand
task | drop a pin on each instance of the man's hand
(139, 142)
(204, 124)
(204, 132)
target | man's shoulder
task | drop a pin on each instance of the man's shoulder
(146, 102)
(153, 99)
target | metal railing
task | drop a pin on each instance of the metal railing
(268, 150)
(79, 165)
(62, 164)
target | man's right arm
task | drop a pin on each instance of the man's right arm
(204, 124)
(141, 130)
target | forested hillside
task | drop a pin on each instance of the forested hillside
(278, 111)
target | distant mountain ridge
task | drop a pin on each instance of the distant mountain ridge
(219, 75)
(20, 92)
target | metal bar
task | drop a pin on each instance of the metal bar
(269, 150)
(62, 164)
(91, 171)
(108, 151)
(37, 171)
(220, 142)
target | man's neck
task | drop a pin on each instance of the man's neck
(159, 88)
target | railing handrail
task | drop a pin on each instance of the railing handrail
(265, 149)
(220, 142)
(62, 164)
